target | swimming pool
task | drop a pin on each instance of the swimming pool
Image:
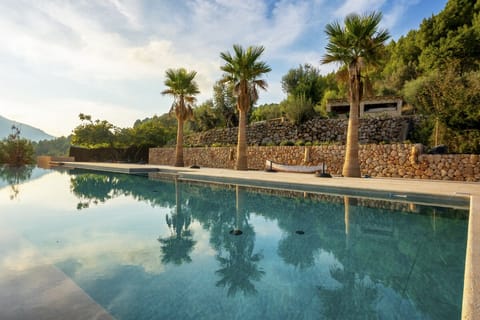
(166, 249)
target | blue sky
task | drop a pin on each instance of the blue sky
(107, 58)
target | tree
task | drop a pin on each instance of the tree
(152, 132)
(355, 45)
(183, 88)
(306, 81)
(204, 117)
(449, 101)
(402, 64)
(452, 34)
(55, 147)
(266, 112)
(93, 134)
(224, 103)
(16, 151)
(243, 70)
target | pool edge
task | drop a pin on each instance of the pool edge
(471, 283)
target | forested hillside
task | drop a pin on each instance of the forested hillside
(436, 69)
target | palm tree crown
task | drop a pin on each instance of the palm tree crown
(182, 87)
(358, 43)
(243, 71)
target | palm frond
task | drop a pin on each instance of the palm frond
(243, 65)
(358, 41)
(182, 87)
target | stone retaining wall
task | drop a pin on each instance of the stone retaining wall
(384, 160)
(273, 132)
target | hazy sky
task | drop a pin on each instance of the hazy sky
(107, 58)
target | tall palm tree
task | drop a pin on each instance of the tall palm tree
(243, 70)
(183, 88)
(357, 44)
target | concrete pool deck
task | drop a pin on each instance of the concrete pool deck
(299, 181)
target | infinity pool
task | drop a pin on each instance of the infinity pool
(145, 248)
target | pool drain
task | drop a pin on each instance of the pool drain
(300, 232)
(236, 232)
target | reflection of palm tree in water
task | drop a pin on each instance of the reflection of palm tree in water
(302, 241)
(14, 176)
(354, 296)
(239, 265)
(177, 247)
(352, 299)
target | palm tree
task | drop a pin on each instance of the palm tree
(182, 87)
(358, 44)
(243, 71)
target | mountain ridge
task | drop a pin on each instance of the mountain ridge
(26, 131)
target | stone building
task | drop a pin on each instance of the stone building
(385, 105)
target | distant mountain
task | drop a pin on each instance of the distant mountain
(26, 131)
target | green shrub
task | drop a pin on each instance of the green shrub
(298, 109)
(216, 145)
(287, 143)
(300, 143)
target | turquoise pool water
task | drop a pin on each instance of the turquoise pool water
(163, 249)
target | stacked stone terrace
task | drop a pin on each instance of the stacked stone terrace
(274, 132)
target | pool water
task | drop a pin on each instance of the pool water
(147, 248)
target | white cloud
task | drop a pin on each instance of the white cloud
(358, 6)
(131, 10)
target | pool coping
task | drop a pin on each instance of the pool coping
(436, 188)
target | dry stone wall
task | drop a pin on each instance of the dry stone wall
(274, 132)
(376, 160)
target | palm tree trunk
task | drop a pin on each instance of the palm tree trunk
(179, 147)
(242, 163)
(178, 211)
(351, 167)
(346, 203)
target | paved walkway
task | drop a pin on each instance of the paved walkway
(399, 188)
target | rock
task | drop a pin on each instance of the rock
(440, 149)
